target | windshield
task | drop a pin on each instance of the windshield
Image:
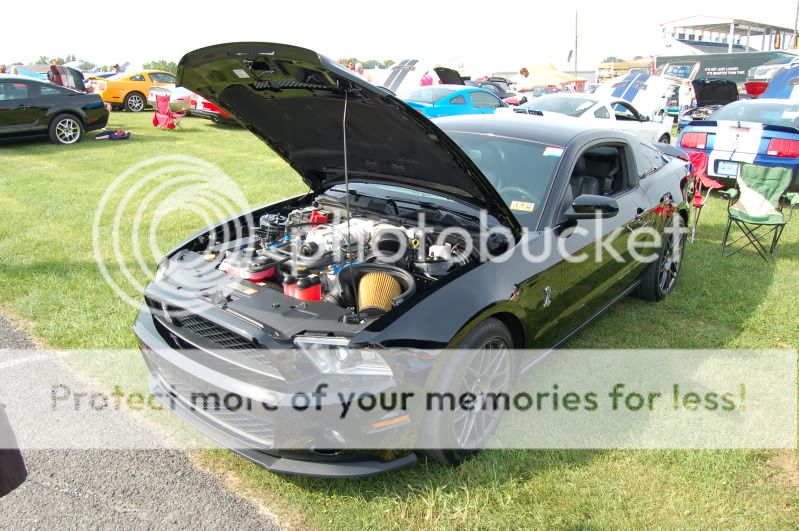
(520, 170)
(428, 94)
(771, 113)
(568, 105)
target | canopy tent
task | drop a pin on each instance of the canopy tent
(547, 75)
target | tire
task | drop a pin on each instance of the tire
(660, 277)
(665, 139)
(66, 129)
(443, 443)
(135, 102)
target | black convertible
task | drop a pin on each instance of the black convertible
(30, 108)
(343, 280)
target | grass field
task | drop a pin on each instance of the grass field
(48, 198)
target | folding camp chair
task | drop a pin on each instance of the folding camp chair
(701, 182)
(164, 117)
(756, 208)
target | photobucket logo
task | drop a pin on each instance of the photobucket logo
(151, 207)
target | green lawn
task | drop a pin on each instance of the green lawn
(48, 198)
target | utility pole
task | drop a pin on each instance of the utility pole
(796, 26)
(575, 40)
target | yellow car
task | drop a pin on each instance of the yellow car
(129, 90)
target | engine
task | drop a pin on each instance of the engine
(364, 264)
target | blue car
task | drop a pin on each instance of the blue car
(764, 131)
(761, 131)
(451, 100)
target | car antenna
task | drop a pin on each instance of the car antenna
(347, 205)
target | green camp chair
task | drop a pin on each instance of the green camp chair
(756, 208)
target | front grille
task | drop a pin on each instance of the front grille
(197, 332)
(189, 390)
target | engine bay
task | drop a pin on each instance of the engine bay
(363, 261)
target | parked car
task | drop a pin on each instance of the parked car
(32, 108)
(202, 108)
(768, 70)
(129, 91)
(603, 113)
(711, 95)
(179, 97)
(762, 131)
(224, 316)
(450, 100)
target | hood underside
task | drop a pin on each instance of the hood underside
(714, 91)
(295, 100)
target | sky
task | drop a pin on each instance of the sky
(500, 34)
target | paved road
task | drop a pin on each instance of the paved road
(109, 489)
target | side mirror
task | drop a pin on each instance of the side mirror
(588, 206)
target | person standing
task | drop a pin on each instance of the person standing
(362, 73)
(427, 80)
(522, 82)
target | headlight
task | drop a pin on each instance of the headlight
(163, 265)
(331, 355)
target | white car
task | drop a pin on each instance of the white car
(767, 71)
(605, 113)
(179, 97)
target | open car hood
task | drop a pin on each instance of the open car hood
(294, 100)
(646, 92)
(714, 91)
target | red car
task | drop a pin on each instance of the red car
(203, 108)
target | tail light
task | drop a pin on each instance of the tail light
(694, 140)
(783, 147)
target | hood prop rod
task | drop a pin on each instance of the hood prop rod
(347, 206)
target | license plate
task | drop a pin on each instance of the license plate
(727, 168)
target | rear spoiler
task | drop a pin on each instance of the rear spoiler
(671, 151)
(766, 127)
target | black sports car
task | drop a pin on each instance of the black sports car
(32, 108)
(344, 282)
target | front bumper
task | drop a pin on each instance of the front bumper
(248, 434)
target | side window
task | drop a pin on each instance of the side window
(137, 77)
(484, 100)
(602, 112)
(600, 170)
(458, 100)
(14, 90)
(158, 77)
(624, 111)
(52, 90)
(648, 160)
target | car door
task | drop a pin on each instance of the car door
(627, 118)
(484, 102)
(603, 266)
(16, 113)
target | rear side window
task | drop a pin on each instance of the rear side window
(458, 100)
(484, 100)
(162, 78)
(648, 160)
(602, 112)
(137, 77)
(12, 90)
(52, 90)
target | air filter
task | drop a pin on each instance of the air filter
(376, 291)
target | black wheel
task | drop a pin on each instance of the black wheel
(66, 129)
(660, 277)
(665, 139)
(483, 363)
(135, 102)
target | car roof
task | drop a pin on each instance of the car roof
(757, 101)
(17, 77)
(535, 128)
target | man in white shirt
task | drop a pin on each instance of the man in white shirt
(521, 81)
